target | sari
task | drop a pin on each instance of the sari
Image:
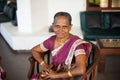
(66, 52)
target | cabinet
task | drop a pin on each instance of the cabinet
(103, 5)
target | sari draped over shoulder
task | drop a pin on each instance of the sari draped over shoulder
(64, 54)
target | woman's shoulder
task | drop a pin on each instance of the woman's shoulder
(49, 39)
(52, 37)
(75, 37)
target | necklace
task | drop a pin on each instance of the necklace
(60, 42)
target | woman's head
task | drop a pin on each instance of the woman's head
(62, 24)
(65, 14)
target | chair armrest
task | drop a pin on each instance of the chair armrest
(32, 66)
(35, 65)
(3, 73)
(91, 73)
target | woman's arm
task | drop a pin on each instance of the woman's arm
(78, 70)
(36, 54)
(80, 65)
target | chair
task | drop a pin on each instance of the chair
(92, 68)
(2, 72)
(92, 65)
(34, 65)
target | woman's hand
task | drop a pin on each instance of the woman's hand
(44, 74)
(45, 67)
(51, 75)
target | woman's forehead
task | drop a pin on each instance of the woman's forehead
(61, 19)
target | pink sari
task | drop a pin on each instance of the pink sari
(72, 47)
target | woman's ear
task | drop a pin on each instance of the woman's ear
(51, 28)
(52, 24)
(71, 26)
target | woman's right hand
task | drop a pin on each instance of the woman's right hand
(45, 67)
(47, 75)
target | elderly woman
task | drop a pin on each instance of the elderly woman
(65, 48)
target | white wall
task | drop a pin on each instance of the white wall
(39, 13)
(35, 15)
(72, 6)
(32, 15)
(24, 15)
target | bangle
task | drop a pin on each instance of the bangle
(42, 63)
(69, 74)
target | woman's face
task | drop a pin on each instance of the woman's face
(61, 26)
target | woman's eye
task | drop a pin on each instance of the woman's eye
(57, 26)
(65, 26)
(60, 27)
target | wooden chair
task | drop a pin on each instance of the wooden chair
(34, 65)
(3, 73)
(92, 65)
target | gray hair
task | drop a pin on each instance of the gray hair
(65, 14)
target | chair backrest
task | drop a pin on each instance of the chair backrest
(92, 65)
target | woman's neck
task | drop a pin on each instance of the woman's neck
(62, 40)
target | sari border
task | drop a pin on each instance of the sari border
(43, 47)
(72, 52)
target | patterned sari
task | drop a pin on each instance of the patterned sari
(66, 52)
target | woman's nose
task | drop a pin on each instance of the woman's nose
(61, 29)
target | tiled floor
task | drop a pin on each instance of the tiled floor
(16, 64)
